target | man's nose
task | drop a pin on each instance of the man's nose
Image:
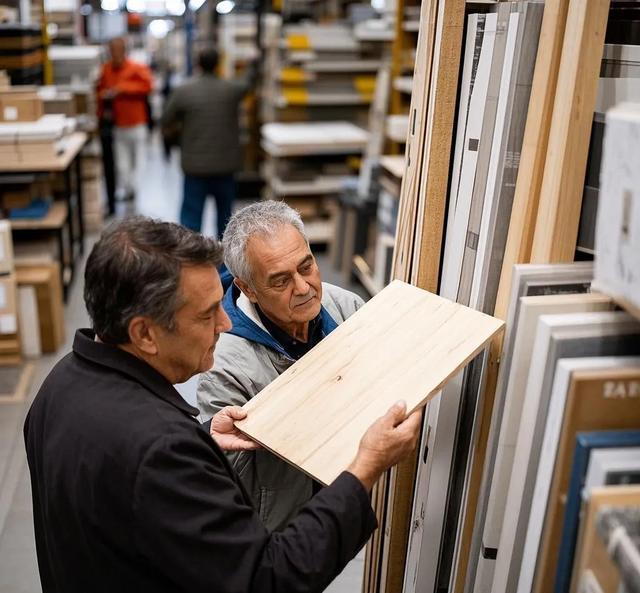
(224, 323)
(300, 285)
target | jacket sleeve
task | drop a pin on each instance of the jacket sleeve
(194, 526)
(224, 385)
(172, 115)
(220, 387)
(139, 83)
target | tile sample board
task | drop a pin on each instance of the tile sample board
(405, 343)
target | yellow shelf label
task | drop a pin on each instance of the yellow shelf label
(292, 74)
(298, 41)
(365, 85)
(296, 96)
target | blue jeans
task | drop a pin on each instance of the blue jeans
(196, 190)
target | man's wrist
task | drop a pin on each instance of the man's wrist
(367, 476)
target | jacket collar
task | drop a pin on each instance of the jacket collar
(252, 330)
(112, 357)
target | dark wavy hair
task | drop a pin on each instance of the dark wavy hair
(134, 269)
(208, 59)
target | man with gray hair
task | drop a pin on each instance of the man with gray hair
(280, 309)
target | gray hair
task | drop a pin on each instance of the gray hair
(264, 218)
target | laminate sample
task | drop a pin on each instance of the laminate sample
(405, 343)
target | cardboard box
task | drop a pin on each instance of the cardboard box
(20, 104)
(8, 304)
(6, 248)
(45, 278)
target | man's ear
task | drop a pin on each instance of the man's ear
(143, 334)
(246, 289)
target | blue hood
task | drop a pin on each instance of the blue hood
(244, 327)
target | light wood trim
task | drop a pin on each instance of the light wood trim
(563, 183)
(534, 148)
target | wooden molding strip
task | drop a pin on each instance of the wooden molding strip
(558, 217)
(534, 148)
(402, 255)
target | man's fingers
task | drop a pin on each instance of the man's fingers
(236, 412)
(396, 413)
(411, 424)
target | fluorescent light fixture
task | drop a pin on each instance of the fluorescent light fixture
(225, 7)
(159, 28)
(110, 4)
(136, 5)
(175, 7)
(195, 4)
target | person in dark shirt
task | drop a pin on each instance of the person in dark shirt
(130, 492)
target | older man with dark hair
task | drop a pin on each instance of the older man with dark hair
(280, 309)
(130, 492)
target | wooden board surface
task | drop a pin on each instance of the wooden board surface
(437, 144)
(404, 343)
(403, 252)
(563, 182)
(534, 150)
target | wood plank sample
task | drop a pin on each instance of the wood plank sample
(534, 150)
(403, 344)
(436, 161)
(563, 183)
(403, 251)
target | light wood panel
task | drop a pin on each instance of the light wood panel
(404, 343)
(563, 182)
(437, 144)
(534, 150)
(402, 254)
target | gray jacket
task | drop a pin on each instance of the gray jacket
(206, 111)
(245, 363)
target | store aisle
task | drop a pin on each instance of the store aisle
(159, 197)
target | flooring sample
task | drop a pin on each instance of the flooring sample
(558, 217)
(404, 343)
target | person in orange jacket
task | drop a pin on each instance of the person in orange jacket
(123, 89)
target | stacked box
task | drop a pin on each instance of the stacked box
(21, 53)
(9, 338)
(20, 104)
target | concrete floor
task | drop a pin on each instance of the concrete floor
(159, 197)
